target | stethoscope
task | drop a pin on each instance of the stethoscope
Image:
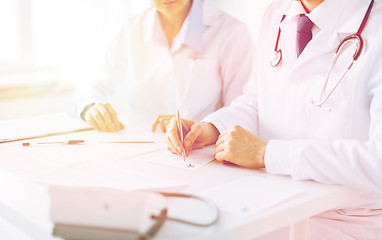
(356, 39)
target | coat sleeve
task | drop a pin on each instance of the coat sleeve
(242, 111)
(236, 58)
(106, 80)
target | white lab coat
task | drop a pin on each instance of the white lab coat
(153, 79)
(338, 144)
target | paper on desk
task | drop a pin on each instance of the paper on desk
(109, 176)
(196, 159)
(94, 145)
(126, 136)
(34, 161)
(250, 195)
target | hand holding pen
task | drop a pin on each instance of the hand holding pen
(196, 135)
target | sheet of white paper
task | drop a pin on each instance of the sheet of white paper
(127, 136)
(196, 159)
(250, 195)
(92, 146)
(36, 160)
(106, 175)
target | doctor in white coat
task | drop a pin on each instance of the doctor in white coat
(178, 54)
(296, 118)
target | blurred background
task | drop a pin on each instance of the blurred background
(46, 46)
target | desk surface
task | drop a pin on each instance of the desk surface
(25, 203)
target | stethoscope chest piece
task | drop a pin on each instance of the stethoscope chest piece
(275, 58)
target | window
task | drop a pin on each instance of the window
(51, 35)
(11, 44)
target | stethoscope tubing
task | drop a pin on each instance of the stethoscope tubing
(359, 43)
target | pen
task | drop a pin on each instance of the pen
(70, 142)
(180, 131)
(45, 135)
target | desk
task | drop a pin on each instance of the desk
(25, 203)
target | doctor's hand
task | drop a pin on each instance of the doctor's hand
(163, 121)
(103, 118)
(241, 147)
(197, 135)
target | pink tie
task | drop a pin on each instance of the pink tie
(304, 33)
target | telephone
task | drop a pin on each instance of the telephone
(93, 213)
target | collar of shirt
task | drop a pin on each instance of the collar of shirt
(342, 16)
(326, 15)
(352, 15)
(292, 9)
(190, 34)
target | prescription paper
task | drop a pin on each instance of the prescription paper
(196, 159)
(260, 195)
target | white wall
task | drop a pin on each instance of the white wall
(84, 28)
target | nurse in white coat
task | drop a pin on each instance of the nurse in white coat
(285, 122)
(179, 54)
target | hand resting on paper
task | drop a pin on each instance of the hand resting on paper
(241, 147)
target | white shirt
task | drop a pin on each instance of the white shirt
(206, 68)
(340, 143)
